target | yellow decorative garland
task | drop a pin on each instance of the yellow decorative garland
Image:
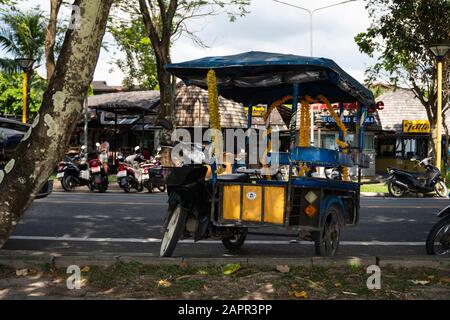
(214, 112)
(268, 125)
(341, 125)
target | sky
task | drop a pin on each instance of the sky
(269, 26)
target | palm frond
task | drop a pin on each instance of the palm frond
(9, 66)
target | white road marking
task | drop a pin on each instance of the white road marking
(156, 240)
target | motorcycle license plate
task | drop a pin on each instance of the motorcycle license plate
(95, 169)
(122, 173)
(84, 174)
(145, 177)
(60, 175)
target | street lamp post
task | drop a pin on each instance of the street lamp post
(439, 51)
(27, 66)
(311, 49)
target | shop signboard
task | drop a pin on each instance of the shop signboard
(349, 120)
(416, 126)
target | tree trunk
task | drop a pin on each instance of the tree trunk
(50, 37)
(46, 141)
(167, 89)
(433, 139)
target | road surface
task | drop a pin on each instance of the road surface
(116, 222)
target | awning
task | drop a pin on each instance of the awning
(133, 102)
(261, 77)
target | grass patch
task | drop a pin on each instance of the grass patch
(378, 187)
(134, 280)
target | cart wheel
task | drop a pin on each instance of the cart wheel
(161, 188)
(173, 230)
(327, 240)
(235, 243)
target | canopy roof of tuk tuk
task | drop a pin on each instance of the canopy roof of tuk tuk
(262, 77)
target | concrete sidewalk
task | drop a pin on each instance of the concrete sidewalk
(29, 259)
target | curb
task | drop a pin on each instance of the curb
(374, 194)
(24, 259)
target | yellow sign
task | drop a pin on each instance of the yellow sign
(416, 126)
(257, 111)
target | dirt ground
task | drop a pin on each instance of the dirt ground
(137, 281)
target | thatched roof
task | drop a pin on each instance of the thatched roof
(192, 109)
(126, 102)
(401, 105)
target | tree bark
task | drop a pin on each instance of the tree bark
(50, 37)
(160, 36)
(45, 143)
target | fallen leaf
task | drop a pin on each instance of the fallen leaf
(315, 286)
(22, 272)
(294, 285)
(231, 268)
(349, 293)
(430, 277)
(164, 283)
(337, 285)
(283, 269)
(300, 294)
(86, 269)
(202, 272)
(184, 264)
(421, 282)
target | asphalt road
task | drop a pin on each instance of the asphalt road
(116, 222)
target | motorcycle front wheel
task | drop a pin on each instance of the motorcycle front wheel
(68, 183)
(396, 191)
(173, 230)
(438, 240)
(441, 189)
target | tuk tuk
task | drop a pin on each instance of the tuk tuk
(226, 205)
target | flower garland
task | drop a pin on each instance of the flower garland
(214, 112)
(305, 124)
(274, 105)
(341, 125)
(268, 125)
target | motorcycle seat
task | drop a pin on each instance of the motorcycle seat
(415, 174)
(235, 177)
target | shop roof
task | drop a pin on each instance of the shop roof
(192, 106)
(126, 102)
(400, 105)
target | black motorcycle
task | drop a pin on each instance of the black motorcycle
(401, 182)
(438, 241)
(190, 204)
(74, 172)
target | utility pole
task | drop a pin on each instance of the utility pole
(311, 49)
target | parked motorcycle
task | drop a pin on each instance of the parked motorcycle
(155, 171)
(438, 240)
(74, 172)
(401, 182)
(99, 176)
(130, 173)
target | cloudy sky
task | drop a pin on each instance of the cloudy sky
(269, 27)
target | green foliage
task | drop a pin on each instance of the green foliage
(22, 34)
(400, 36)
(11, 101)
(139, 65)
